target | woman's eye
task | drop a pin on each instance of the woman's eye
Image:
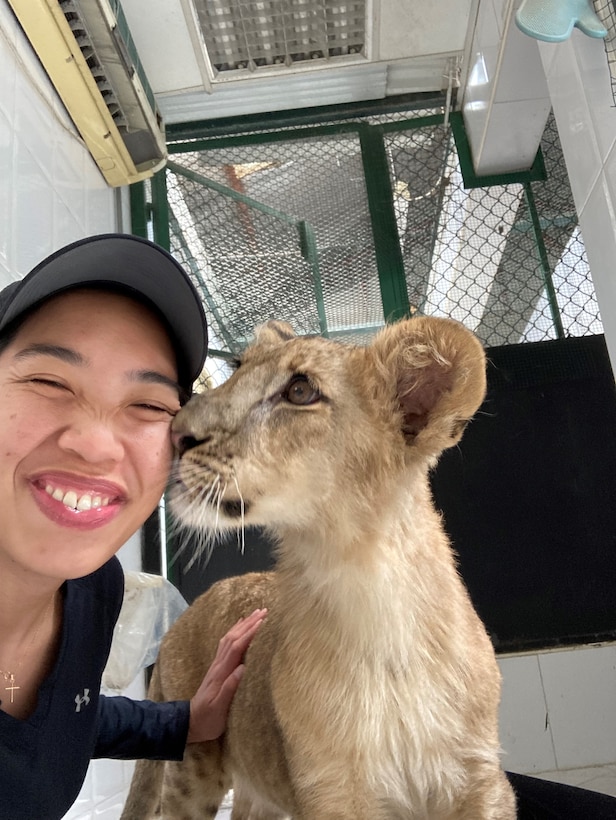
(155, 409)
(47, 382)
(301, 392)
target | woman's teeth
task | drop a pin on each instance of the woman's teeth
(76, 502)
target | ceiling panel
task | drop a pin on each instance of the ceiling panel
(409, 47)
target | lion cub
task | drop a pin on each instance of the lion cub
(371, 691)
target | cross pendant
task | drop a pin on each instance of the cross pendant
(11, 688)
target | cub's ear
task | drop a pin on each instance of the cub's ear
(435, 369)
(273, 333)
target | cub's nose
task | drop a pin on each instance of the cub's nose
(183, 442)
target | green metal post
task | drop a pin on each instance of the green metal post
(544, 261)
(162, 236)
(390, 264)
(160, 210)
(310, 252)
(138, 209)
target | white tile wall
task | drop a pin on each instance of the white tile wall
(578, 687)
(525, 733)
(580, 692)
(591, 62)
(598, 222)
(579, 83)
(558, 710)
(575, 123)
(506, 100)
(51, 192)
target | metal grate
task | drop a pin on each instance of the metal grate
(248, 262)
(74, 18)
(244, 34)
(506, 260)
(284, 225)
(251, 254)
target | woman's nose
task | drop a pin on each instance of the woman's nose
(92, 440)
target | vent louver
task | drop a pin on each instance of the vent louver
(87, 50)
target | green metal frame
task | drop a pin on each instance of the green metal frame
(139, 209)
(407, 125)
(155, 214)
(544, 262)
(305, 231)
(160, 210)
(328, 121)
(390, 265)
(389, 260)
(294, 118)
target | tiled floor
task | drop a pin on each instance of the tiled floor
(597, 778)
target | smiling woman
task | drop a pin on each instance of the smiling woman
(101, 432)
(99, 346)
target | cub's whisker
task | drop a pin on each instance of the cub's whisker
(241, 533)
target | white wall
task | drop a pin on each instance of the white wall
(558, 713)
(51, 192)
(579, 84)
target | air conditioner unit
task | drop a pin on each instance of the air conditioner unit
(87, 50)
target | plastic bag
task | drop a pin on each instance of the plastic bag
(151, 604)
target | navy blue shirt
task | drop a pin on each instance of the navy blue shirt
(44, 759)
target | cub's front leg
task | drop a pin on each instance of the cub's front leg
(195, 787)
(490, 798)
(245, 808)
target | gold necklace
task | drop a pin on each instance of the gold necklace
(9, 677)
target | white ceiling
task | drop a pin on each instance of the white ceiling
(412, 46)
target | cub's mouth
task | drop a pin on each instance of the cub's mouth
(235, 508)
(201, 503)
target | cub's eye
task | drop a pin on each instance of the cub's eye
(301, 391)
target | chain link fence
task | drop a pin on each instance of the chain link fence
(280, 225)
(507, 260)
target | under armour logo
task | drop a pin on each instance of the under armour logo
(82, 700)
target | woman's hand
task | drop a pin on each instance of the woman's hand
(210, 705)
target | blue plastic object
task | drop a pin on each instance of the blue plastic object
(553, 20)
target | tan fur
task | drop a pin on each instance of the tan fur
(371, 692)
